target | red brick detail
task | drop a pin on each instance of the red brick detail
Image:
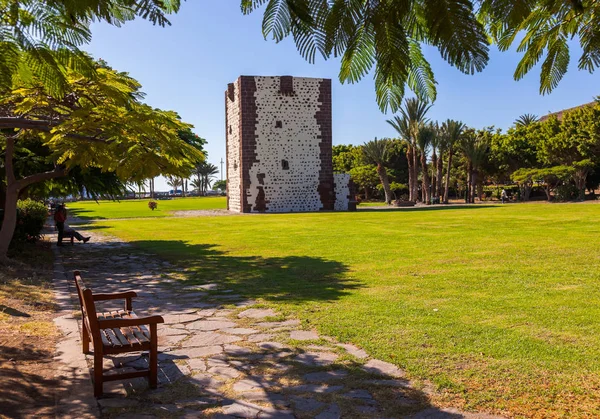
(227, 132)
(261, 203)
(249, 119)
(286, 85)
(323, 116)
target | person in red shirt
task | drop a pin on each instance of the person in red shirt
(60, 218)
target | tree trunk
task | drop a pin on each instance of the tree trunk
(439, 176)
(473, 185)
(385, 182)
(434, 191)
(366, 193)
(469, 183)
(410, 173)
(425, 184)
(415, 156)
(447, 186)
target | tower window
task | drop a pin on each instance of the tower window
(285, 165)
(278, 124)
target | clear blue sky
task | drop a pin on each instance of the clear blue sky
(186, 68)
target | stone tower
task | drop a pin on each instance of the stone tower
(279, 140)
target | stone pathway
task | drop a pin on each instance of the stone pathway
(224, 356)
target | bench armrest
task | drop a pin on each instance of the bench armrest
(140, 321)
(114, 296)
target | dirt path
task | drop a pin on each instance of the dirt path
(225, 356)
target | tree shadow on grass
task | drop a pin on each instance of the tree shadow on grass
(459, 207)
(292, 278)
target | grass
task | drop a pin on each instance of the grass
(499, 306)
(138, 208)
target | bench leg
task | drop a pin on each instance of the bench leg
(98, 377)
(72, 240)
(85, 339)
(153, 361)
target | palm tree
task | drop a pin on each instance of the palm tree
(408, 126)
(174, 182)
(424, 141)
(475, 148)
(452, 131)
(205, 173)
(375, 152)
(526, 119)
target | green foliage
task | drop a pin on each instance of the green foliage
(383, 37)
(543, 28)
(526, 119)
(220, 185)
(31, 217)
(40, 39)
(365, 176)
(345, 157)
(101, 123)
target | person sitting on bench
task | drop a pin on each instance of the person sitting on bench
(60, 218)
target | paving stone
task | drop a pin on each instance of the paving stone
(307, 404)
(194, 295)
(287, 323)
(242, 409)
(332, 412)
(366, 409)
(304, 335)
(239, 331)
(359, 394)
(388, 383)
(227, 296)
(208, 287)
(179, 318)
(197, 364)
(375, 366)
(117, 402)
(170, 372)
(319, 348)
(226, 372)
(247, 384)
(260, 337)
(353, 350)
(197, 352)
(315, 388)
(209, 325)
(207, 312)
(236, 350)
(257, 313)
(171, 331)
(314, 359)
(206, 381)
(317, 377)
(272, 345)
(210, 338)
(273, 413)
(274, 399)
(172, 340)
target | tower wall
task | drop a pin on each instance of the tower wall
(279, 142)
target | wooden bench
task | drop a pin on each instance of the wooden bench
(116, 332)
(68, 237)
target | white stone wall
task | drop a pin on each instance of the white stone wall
(342, 191)
(233, 151)
(296, 142)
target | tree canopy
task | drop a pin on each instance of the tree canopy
(386, 38)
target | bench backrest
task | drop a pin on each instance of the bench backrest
(88, 309)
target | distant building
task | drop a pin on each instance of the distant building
(279, 138)
(559, 114)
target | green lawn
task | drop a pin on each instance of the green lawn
(136, 208)
(499, 306)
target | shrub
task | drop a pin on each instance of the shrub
(566, 192)
(31, 216)
(152, 205)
